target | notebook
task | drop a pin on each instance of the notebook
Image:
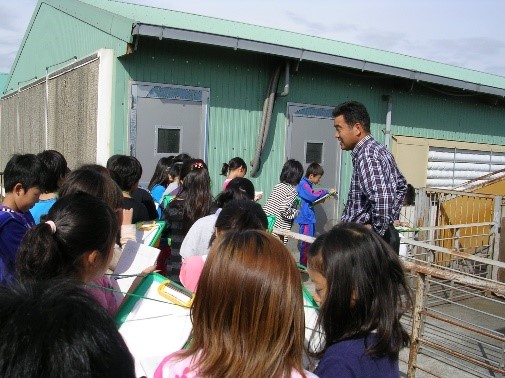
(134, 259)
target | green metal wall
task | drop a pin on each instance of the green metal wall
(448, 117)
(238, 83)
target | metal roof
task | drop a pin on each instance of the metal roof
(4, 78)
(169, 24)
(125, 20)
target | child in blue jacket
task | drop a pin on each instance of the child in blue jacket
(307, 217)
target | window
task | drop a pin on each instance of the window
(168, 140)
(314, 152)
(451, 167)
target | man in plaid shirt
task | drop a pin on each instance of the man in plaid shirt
(377, 186)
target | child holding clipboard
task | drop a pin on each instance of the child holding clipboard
(72, 242)
(309, 197)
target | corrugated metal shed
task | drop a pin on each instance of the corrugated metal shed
(235, 60)
(117, 18)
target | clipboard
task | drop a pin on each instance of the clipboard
(407, 229)
(149, 232)
(152, 329)
(166, 199)
(271, 222)
(313, 335)
(133, 260)
(322, 199)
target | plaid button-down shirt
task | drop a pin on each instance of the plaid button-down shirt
(377, 187)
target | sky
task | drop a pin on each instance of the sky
(464, 33)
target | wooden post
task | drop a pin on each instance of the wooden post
(495, 232)
(416, 324)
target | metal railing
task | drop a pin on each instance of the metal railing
(467, 224)
(457, 323)
(458, 320)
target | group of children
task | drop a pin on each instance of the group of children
(248, 312)
(293, 199)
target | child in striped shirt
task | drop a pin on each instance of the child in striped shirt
(282, 202)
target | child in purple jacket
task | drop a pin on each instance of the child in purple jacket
(24, 176)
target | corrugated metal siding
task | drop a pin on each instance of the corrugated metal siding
(237, 83)
(443, 117)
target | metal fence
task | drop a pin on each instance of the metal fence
(457, 323)
(450, 255)
(466, 224)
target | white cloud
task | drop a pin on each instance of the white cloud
(14, 20)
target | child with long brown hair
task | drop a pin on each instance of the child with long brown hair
(247, 313)
(193, 202)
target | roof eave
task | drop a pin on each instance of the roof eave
(237, 43)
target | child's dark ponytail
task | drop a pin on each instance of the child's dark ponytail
(39, 257)
(224, 170)
(76, 224)
(235, 163)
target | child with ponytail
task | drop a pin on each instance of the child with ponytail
(75, 240)
(236, 167)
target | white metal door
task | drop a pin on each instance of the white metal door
(167, 120)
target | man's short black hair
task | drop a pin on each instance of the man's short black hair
(27, 169)
(353, 112)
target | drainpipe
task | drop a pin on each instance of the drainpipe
(46, 104)
(268, 106)
(285, 92)
(387, 139)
